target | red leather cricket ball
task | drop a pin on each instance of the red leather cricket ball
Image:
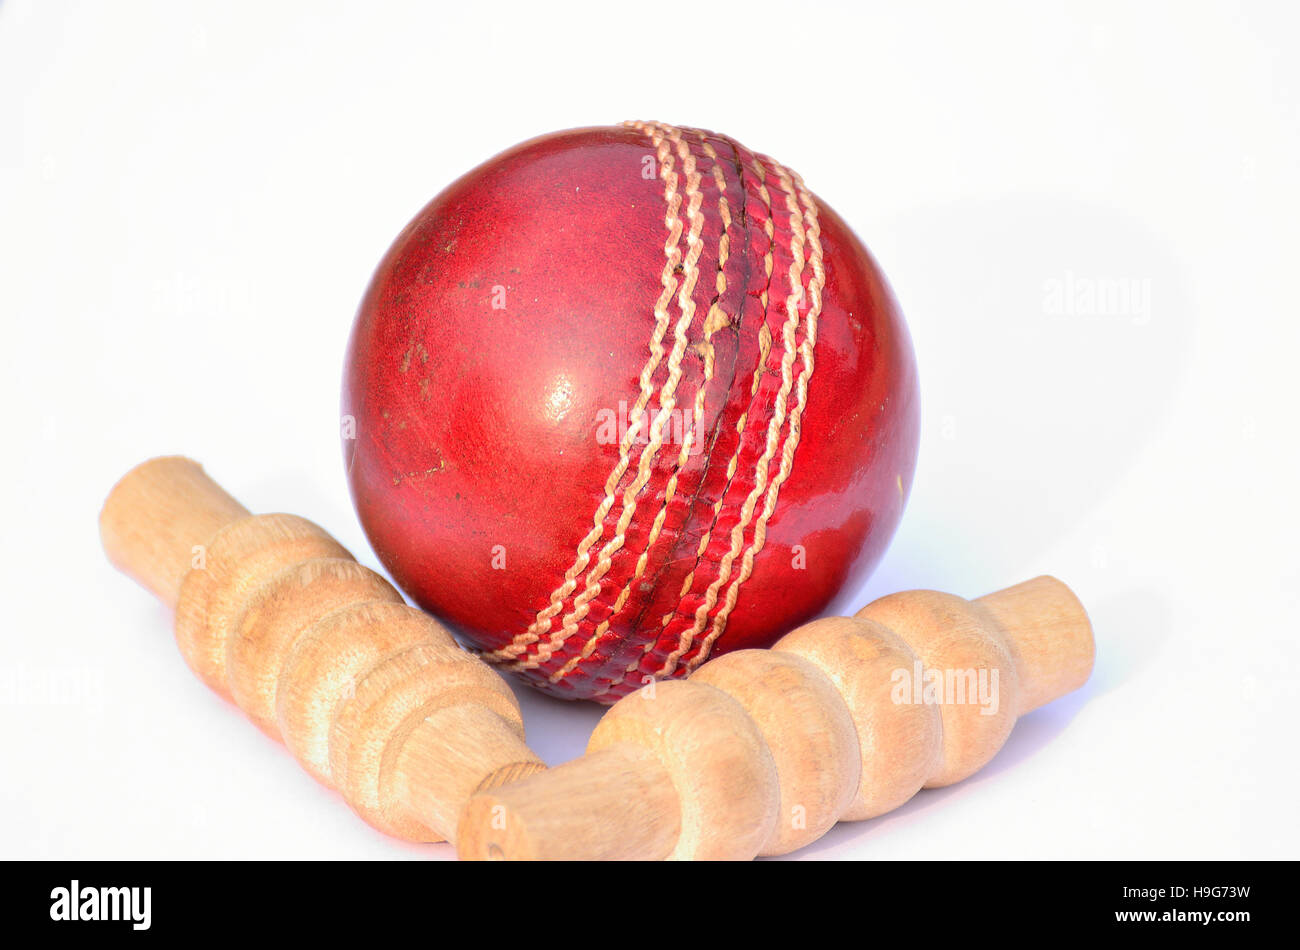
(623, 398)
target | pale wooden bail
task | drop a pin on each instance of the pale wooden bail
(615, 804)
(899, 745)
(374, 697)
(719, 764)
(959, 643)
(676, 771)
(156, 515)
(457, 749)
(809, 730)
(1050, 635)
(761, 751)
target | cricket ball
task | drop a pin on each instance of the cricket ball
(621, 399)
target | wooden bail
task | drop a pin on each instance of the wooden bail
(843, 719)
(372, 696)
(1050, 634)
(157, 515)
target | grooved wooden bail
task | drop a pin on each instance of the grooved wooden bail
(578, 808)
(844, 719)
(676, 770)
(1050, 634)
(372, 696)
(156, 515)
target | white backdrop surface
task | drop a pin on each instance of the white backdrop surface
(193, 196)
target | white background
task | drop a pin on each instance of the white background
(193, 196)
